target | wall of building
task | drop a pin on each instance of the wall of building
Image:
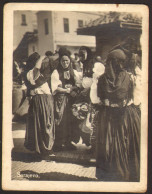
(19, 29)
(45, 41)
(57, 37)
(71, 39)
(73, 20)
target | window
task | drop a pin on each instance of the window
(46, 26)
(66, 24)
(80, 23)
(23, 20)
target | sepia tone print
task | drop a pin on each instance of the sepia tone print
(77, 98)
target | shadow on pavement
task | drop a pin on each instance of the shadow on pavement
(52, 176)
(78, 156)
(25, 157)
(63, 158)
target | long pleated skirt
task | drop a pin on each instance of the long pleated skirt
(63, 123)
(118, 144)
(40, 128)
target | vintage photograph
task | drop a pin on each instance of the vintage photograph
(75, 97)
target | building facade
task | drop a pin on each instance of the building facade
(24, 21)
(49, 30)
(58, 28)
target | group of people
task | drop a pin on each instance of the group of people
(82, 97)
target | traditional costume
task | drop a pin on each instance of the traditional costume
(84, 71)
(62, 81)
(118, 130)
(40, 128)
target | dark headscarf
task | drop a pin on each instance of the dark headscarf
(131, 50)
(48, 53)
(115, 63)
(55, 60)
(115, 84)
(64, 52)
(88, 62)
(30, 64)
(89, 52)
(31, 61)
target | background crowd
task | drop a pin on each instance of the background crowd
(85, 97)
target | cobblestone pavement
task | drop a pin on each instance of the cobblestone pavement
(76, 165)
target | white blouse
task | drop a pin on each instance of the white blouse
(98, 70)
(43, 89)
(56, 82)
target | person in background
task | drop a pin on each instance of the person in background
(48, 64)
(48, 53)
(86, 57)
(77, 64)
(40, 128)
(63, 84)
(20, 104)
(131, 47)
(81, 107)
(98, 59)
(118, 129)
(76, 56)
(78, 70)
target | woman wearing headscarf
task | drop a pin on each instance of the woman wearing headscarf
(86, 57)
(132, 49)
(40, 128)
(118, 130)
(82, 105)
(85, 67)
(63, 84)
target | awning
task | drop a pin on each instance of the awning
(93, 30)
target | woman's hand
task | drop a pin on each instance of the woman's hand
(63, 90)
(68, 90)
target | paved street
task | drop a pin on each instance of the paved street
(76, 165)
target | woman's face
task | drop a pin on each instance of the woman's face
(65, 62)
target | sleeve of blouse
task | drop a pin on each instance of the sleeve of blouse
(55, 81)
(32, 75)
(78, 78)
(39, 62)
(93, 92)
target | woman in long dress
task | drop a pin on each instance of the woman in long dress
(63, 85)
(118, 131)
(82, 106)
(40, 128)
